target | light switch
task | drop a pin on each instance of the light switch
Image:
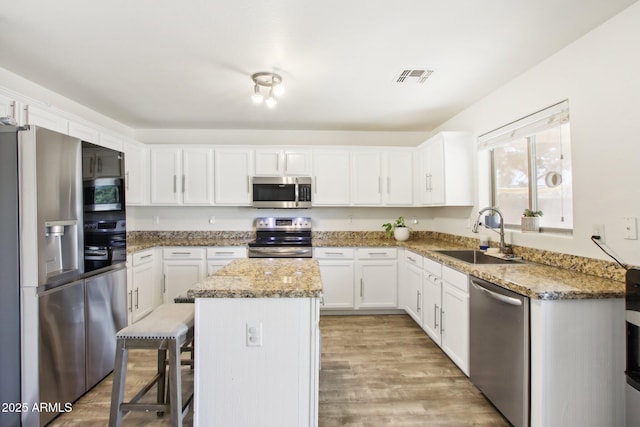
(630, 228)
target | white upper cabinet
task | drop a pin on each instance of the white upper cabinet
(445, 175)
(331, 178)
(181, 176)
(232, 175)
(136, 172)
(282, 162)
(8, 107)
(43, 118)
(398, 177)
(382, 178)
(84, 132)
(366, 178)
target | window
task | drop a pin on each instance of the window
(531, 167)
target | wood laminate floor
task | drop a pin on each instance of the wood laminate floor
(376, 371)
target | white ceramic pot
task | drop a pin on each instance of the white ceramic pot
(530, 224)
(401, 233)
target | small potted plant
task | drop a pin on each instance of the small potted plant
(398, 229)
(530, 221)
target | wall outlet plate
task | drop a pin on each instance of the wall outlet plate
(630, 228)
(598, 231)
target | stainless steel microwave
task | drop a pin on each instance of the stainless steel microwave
(103, 194)
(284, 192)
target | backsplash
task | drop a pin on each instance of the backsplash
(595, 267)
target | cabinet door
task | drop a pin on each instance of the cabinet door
(39, 117)
(413, 283)
(269, 162)
(435, 172)
(8, 107)
(232, 170)
(143, 289)
(398, 182)
(432, 297)
(297, 163)
(331, 178)
(366, 178)
(455, 325)
(197, 176)
(108, 164)
(136, 169)
(378, 284)
(337, 284)
(165, 170)
(180, 276)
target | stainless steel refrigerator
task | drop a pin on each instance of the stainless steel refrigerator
(10, 277)
(69, 316)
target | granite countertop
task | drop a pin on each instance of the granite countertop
(534, 280)
(568, 279)
(262, 278)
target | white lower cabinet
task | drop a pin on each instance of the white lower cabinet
(218, 257)
(377, 278)
(362, 278)
(182, 267)
(455, 320)
(337, 271)
(412, 283)
(437, 298)
(142, 289)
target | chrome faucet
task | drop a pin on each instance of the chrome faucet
(504, 248)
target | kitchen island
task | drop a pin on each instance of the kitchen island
(257, 354)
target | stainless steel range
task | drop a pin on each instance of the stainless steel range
(282, 238)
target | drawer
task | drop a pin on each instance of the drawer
(183, 253)
(333, 253)
(455, 278)
(413, 258)
(432, 267)
(226, 252)
(377, 253)
(143, 257)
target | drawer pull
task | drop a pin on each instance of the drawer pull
(180, 253)
(146, 256)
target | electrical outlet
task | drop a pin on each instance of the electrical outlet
(155, 219)
(212, 219)
(254, 334)
(598, 231)
(630, 228)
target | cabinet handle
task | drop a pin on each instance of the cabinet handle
(180, 253)
(334, 253)
(379, 185)
(174, 183)
(130, 301)
(146, 256)
(411, 259)
(441, 322)
(418, 301)
(99, 164)
(137, 298)
(361, 288)
(91, 165)
(315, 185)
(435, 316)
(184, 183)
(224, 253)
(377, 253)
(164, 283)
(388, 185)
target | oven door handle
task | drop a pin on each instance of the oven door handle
(280, 252)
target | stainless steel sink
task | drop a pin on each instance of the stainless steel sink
(477, 257)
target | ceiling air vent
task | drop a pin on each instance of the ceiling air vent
(418, 76)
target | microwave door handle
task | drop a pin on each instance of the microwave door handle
(297, 193)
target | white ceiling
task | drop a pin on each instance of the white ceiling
(187, 63)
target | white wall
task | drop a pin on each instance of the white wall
(598, 74)
(241, 218)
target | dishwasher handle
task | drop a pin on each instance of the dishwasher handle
(495, 295)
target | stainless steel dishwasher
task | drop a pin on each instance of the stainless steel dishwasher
(499, 348)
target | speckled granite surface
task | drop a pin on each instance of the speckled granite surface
(262, 278)
(545, 275)
(140, 240)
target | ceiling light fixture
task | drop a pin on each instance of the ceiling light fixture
(269, 80)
